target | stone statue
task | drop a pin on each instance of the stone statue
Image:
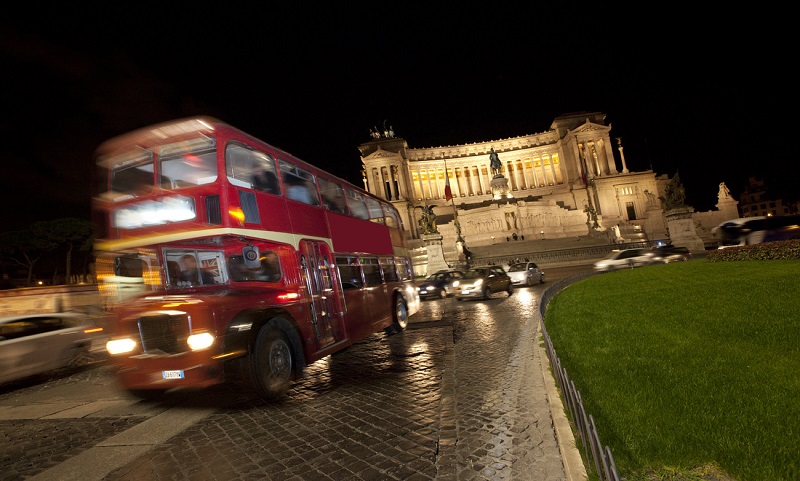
(494, 162)
(674, 194)
(724, 193)
(427, 223)
(651, 198)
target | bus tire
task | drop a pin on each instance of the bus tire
(400, 316)
(271, 363)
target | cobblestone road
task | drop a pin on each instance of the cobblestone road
(460, 395)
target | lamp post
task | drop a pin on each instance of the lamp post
(542, 234)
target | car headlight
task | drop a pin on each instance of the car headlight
(478, 282)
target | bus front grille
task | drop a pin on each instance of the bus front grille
(164, 333)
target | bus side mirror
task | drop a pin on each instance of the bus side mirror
(252, 258)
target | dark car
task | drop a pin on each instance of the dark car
(483, 282)
(670, 253)
(439, 284)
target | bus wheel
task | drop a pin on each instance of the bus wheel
(400, 316)
(271, 363)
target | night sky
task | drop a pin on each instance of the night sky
(690, 92)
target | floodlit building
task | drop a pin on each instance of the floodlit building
(757, 201)
(565, 182)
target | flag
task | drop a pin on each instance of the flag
(448, 194)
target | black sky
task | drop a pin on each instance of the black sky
(687, 91)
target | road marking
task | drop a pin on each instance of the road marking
(96, 463)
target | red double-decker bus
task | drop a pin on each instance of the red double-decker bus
(224, 257)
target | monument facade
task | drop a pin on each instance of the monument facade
(562, 182)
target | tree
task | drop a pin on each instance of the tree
(24, 248)
(69, 232)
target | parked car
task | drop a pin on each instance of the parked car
(33, 344)
(525, 274)
(670, 253)
(626, 258)
(482, 283)
(439, 284)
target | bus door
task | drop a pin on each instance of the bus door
(326, 297)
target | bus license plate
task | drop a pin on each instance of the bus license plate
(172, 374)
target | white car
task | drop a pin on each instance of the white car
(32, 344)
(626, 258)
(525, 274)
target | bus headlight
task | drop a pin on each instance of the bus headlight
(120, 346)
(203, 340)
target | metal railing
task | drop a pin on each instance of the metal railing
(597, 456)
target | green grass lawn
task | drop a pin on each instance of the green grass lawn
(688, 366)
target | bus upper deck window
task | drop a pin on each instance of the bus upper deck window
(375, 210)
(189, 165)
(247, 167)
(299, 184)
(332, 196)
(358, 208)
(130, 175)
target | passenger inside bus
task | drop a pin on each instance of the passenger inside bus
(192, 274)
(266, 181)
(296, 189)
(269, 271)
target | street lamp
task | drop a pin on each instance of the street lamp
(492, 240)
(542, 234)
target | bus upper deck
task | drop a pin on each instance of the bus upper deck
(193, 175)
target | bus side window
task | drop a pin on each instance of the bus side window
(299, 184)
(332, 196)
(268, 271)
(392, 217)
(389, 270)
(403, 269)
(355, 202)
(349, 273)
(267, 181)
(372, 271)
(174, 272)
(375, 210)
(185, 169)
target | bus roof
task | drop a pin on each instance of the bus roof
(191, 127)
